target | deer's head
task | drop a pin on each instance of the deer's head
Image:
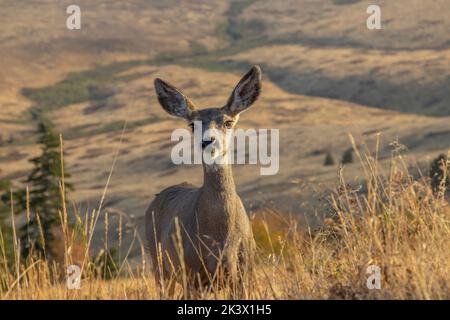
(213, 123)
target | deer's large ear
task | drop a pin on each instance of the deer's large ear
(173, 100)
(245, 93)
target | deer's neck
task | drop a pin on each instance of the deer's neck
(218, 204)
(218, 180)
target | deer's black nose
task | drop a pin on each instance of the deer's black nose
(206, 143)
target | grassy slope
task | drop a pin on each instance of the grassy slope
(390, 227)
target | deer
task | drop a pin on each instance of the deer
(208, 224)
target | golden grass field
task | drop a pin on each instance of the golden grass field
(399, 226)
(325, 77)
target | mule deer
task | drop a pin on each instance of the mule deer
(211, 222)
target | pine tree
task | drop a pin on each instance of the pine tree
(44, 198)
(347, 156)
(329, 160)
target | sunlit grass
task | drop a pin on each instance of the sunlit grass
(397, 223)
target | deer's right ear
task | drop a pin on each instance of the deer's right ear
(245, 93)
(172, 100)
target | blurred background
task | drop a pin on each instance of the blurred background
(325, 76)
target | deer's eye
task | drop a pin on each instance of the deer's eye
(229, 124)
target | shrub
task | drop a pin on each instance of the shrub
(347, 156)
(439, 171)
(329, 160)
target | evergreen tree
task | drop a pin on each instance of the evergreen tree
(329, 160)
(347, 156)
(440, 169)
(45, 194)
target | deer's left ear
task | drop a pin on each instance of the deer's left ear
(245, 93)
(173, 100)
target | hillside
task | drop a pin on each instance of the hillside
(406, 24)
(408, 81)
(309, 127)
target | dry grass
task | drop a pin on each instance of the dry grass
(393, 221)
